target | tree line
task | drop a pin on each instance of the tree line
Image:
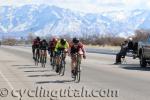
(100, 40)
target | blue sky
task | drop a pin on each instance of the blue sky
(94, 6)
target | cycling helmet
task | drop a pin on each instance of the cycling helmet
(44, 40)
(62, 41)
(75, 40)
(130, 39)
(38, 38)
(54, 39)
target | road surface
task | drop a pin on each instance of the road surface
(20, 79)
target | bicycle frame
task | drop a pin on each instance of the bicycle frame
(53, 61)
(62, 63)
(77, 67)
(37, 56)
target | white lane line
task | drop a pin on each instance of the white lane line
(3, 76)
(9, 84)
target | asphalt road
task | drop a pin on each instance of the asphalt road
(20, 79)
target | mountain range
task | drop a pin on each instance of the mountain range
(45, 20)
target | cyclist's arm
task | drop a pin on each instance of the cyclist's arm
(66, 46)
(83, 49)
(69, 50)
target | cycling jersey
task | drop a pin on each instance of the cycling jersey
(35, 43)
(44, 46)
(35, 46)
(59, 46)
(52, 45)
(75, 49)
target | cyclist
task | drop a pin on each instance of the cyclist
(62, 45)
(51, 47)
(35, 44)
(76, 47)
(43, 49)
(122, 53)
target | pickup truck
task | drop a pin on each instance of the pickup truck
(143, 52)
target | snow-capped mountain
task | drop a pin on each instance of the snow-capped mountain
(47, 20)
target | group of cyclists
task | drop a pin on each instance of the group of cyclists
(55, 47)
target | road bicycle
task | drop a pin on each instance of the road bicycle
(53, 61)
(37, 56)
(77, 71)
(43, 58)
(61, 66)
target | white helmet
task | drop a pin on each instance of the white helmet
(130, 39)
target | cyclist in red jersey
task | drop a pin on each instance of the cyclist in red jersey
(76, 47)
(51, 47)
(35, 45)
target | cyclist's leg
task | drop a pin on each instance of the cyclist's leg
(73, 63)
(80, 57)
(45, 56)
(51, 56)
(57, 60)
(73, 57)
(57, 63)
(65, 53)
(54, 58)
(33, 51)
(38, 54)
(55, 55)
(49, 53)
(41, 56)
(58, 57)
(72, 54)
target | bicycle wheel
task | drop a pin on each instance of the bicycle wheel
(42, 61)
(36, 62)
(57, 68)
(45, 60)
(51, 59)
(78, 71)
(36, 58)
(53, 63)
(62, 69)
(75, 75)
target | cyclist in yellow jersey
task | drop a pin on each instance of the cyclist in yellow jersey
(62, 45)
